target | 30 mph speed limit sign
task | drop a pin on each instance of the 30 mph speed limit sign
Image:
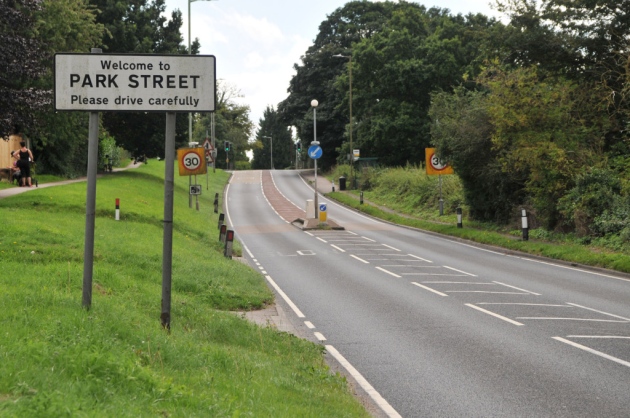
(434, 165)
(191, 161)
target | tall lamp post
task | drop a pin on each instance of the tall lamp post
(314, 104)
(271, 147)
(190, 52)
(349, 57)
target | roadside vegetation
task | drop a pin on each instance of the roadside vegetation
(57, 359)
(408, 196)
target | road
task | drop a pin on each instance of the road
(430, 326)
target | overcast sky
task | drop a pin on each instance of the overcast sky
(256, 42)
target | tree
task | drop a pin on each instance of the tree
(139, 26)
(420, 51)
(462, 130)
(68, 26)
(314, 78)
(21, 65)
(273, 133)
(232, 124)
(546, 130)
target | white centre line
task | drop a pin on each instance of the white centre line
(429, 289)
(360, 259)
(494, 314)
(517, 288)
(459, 271)
(388, 272)
(369, 389)
(590, 350)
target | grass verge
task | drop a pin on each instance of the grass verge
(57, 359)
(573, 253)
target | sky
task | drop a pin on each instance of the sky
(257, 42)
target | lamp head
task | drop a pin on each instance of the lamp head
(314, 103)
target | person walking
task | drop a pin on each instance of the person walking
(24, 159)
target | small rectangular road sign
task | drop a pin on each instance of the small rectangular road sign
(139, 83)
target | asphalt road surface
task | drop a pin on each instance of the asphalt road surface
(433, 327)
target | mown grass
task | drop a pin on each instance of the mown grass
(566, 251)
(58, 359)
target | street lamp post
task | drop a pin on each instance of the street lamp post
(189, 53)
(314, 104)
(271, 148)
(351, 126)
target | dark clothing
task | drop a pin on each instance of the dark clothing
(24, 164)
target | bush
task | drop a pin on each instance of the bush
(590, 199)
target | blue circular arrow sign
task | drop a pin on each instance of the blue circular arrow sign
(315, 151)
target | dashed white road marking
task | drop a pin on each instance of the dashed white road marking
(517, 288)
(359, 258)
(429, 289)
(337, 248)
(387, 271)
(590, 350)
(420, 258)
(598, 311)
(309, 324)
(390, 247)
(460, 271)
(494, 314)
(319, 336)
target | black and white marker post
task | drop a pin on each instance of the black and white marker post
(459, 218)
(525, 225)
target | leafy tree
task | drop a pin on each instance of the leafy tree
(280, 134)
(232, 124)
(21, 65)
(68, 26)
(545, 130)
(314, 78)
(397, 69)
(139, 26)
(462, 130)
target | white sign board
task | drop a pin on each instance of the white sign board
(140, 83)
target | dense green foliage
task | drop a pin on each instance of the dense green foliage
(115, 360)
(272, 130)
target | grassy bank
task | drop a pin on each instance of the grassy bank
(57, 359)
(447, 225)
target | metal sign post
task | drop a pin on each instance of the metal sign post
(138, 83)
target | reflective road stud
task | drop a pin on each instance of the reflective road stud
(229, 239)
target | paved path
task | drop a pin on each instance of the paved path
(18, 190)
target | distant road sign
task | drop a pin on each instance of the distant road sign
(191, 161)
(315, 152)
(434, 165)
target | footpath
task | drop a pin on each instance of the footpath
(19, 190)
